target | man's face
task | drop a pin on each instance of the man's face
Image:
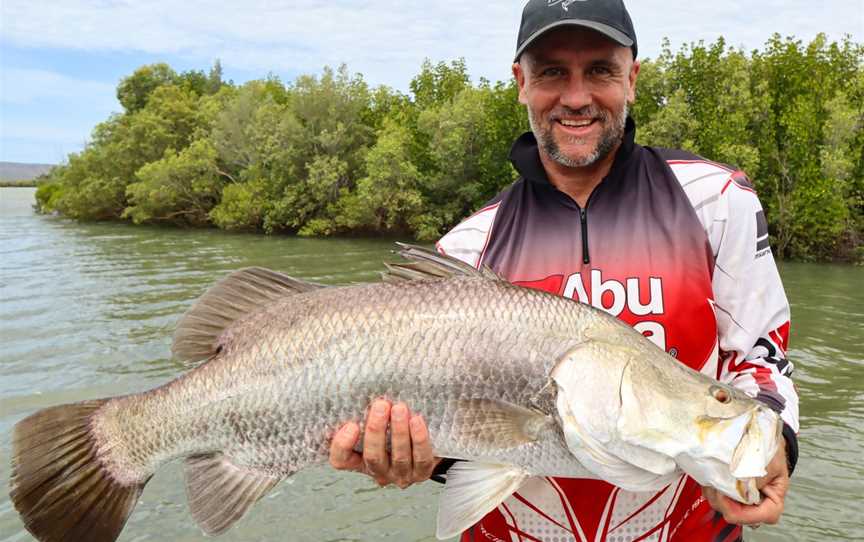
(576, 84)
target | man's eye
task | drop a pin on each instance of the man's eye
(552, 72)
(600, 70)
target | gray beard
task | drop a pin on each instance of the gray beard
(610, 137)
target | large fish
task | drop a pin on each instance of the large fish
(519, 382)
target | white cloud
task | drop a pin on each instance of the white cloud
(45, 115)
(385, 39)
(44, 131)
(744, 24)
(388, 37)
(27, 86)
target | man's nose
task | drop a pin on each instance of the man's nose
(576, 93)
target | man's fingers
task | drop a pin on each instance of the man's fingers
(410, 458)
(777, 471)
(424, 460)
(775, 493)
(342, 454)
(768, 511)
(400, 446)
(375, 441)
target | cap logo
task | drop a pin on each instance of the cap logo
(565, 4)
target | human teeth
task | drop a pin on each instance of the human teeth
(576, 123)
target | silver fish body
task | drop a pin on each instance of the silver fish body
(290, 374)
(499, 372)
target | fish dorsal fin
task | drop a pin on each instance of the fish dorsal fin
(221, 492)
(426, 264)
(474, 489)
(197, 335)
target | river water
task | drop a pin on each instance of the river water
(87, 311)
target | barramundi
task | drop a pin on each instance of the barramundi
(515, 382)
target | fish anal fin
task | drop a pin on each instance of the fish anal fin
(497, 424)
(198, 333)
(474, 489)
(221, 492)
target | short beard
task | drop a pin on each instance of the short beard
(609, 139)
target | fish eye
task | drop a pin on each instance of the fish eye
(720, 394)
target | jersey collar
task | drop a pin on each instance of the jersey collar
(526, 157)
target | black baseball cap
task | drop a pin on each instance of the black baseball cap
(609, 17)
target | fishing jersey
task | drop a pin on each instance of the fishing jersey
(674, 245)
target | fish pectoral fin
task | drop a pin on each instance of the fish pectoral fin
(221, 492)
(200, 330)
(497, 424)
(474, 489)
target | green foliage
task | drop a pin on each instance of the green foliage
(47, 196)
(328, 155)
(439, 83)
(134, 91)
(790, 115)
(181, 188)
(243, 207)
(388, 199)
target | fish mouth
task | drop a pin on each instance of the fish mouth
(734, 453)
(748, 491)
(758, 444)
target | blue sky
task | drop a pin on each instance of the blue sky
(60, 61)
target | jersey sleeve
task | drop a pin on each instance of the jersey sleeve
(470, 238)
(753, 315)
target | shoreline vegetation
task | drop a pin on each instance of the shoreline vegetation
(30, 183)
(330, 155)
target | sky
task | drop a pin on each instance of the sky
(60, 61)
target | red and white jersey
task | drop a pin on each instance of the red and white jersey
(676, 246)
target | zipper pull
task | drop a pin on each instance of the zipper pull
(583, 215)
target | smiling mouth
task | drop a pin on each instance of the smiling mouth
(576, 123)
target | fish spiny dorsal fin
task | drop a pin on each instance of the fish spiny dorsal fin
(426, 264)
(221, 492)
(198, 333)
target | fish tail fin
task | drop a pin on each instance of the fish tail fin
(59, 485)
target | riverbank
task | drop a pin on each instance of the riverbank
(852, 255)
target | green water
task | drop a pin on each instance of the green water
(87, 311)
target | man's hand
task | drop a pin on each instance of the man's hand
(773, 486)
(410, 459)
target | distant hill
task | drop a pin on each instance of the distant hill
(14, 171)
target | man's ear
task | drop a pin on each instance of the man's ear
(634, 74)
(519, 74)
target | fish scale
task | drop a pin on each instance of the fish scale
(339, 362)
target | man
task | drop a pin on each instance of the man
(669, 242)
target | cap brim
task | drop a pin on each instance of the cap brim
(606, 30)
